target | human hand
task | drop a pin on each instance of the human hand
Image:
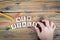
(45, 31)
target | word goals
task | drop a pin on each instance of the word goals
(23, 21)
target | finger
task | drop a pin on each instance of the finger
(47, 23)
(53, 25)
(43, 21)
(41, 24)
(50, 23)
